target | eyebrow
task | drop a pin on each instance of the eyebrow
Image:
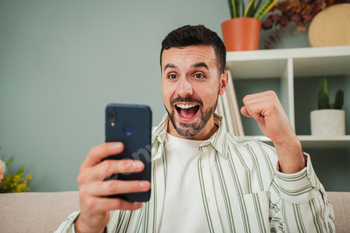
(196, 65)
(201, 64)
(169, 65)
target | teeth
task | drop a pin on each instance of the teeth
(185, 106)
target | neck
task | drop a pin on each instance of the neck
(208, 130)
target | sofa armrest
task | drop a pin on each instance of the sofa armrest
(36, 212)
(341, 206)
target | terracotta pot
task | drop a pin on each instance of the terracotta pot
(241, 34)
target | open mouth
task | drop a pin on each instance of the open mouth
(187, 112)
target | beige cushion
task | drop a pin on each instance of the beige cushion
(35, 212)
(341, 205)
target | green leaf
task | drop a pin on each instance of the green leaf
(238, 3)
(265, 8)
(9, 161)
(20, 170)
(250, 9)
(257, 7)
(243, 7)
(230, 5)
(234, 8)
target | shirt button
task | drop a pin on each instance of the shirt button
(313, 181)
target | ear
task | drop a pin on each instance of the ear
(223, 82)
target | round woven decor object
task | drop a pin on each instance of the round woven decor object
(331, 27)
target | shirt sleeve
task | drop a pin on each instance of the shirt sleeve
(68, 225)
(299, 203)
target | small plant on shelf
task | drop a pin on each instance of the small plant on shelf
(323, 100)
(329, 119)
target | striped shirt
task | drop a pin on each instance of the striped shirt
(241, 190)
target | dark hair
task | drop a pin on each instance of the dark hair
(196, 35)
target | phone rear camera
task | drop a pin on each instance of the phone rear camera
(112, 115)
(127, 130)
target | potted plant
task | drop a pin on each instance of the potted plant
(242, 31)
(329, 119)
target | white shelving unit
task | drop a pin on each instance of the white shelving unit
(288, 64)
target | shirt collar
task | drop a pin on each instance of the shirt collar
(218, 140)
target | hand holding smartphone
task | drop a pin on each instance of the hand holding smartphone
(131, 125)
(94, 206)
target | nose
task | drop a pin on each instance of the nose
(185, 88)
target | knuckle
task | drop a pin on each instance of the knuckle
(272, 93)
(271, 104)
(81, 178)
(103, 171)
(90, 204)
(83, 192)
(81, 168)
(105, 163)
(125, 165)
(118, 203)
(92, 151)
(113, 186)
(245, 99)
(95, 151)
(93, 154)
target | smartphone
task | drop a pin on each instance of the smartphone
(131, 125)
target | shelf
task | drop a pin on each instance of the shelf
(321, 66)
(306, 62)
(323, 142)
(309, 141)
(257, 68)
(275, 54)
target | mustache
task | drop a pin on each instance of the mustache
(186, 99)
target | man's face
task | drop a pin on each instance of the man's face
(190, 86)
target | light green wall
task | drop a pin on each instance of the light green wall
(61, 62)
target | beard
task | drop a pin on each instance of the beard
(189, 130)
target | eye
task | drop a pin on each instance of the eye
(199, 76)
(172, 76)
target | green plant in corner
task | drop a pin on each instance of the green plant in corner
(324, 102)
(13, 183)
(238, 9)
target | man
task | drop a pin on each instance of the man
(204, 179)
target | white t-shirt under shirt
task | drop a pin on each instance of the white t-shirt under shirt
(183, 206)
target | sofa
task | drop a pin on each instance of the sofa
(44, 212)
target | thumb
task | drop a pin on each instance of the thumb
(245, 112)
